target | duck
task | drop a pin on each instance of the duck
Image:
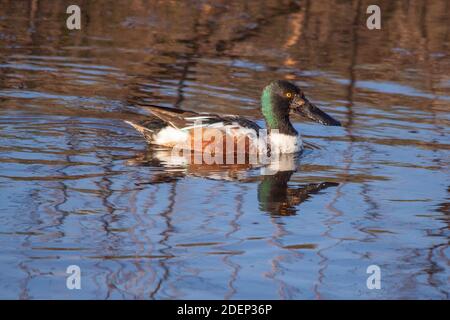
(280, 99)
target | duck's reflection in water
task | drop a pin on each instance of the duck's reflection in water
(275, 196)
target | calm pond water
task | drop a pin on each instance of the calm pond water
(78, 186)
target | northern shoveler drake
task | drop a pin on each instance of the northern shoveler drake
(174, 127)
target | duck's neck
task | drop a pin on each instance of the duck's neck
(276, 119)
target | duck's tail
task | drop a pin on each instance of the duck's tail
(148, 128)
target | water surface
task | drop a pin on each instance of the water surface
(79, 186)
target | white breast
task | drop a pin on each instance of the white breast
(283, 143)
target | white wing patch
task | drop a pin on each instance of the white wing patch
(196, 122)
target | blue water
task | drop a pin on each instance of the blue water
(80, 187)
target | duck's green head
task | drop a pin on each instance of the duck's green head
(281, 98)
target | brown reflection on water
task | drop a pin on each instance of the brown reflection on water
(78, 186)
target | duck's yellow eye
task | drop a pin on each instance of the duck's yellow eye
(288, 95)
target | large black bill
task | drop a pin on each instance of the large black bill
(306, 109)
